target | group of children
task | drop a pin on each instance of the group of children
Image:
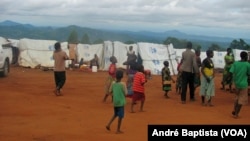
(118, 90)
(239, 72)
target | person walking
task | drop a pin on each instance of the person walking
(130, 77)
(239, 71)
(118, 90)
(59, 57)
(111, 76)
(227, 79)
(188, 68)
(139, 88)
(207, 90)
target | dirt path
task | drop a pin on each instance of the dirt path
(30, 111)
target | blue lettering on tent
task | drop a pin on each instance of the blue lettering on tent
(156, 62)
(156, 71)
(51, 48)
(153, 50)
(219, 54)
(86, 47)
(107, 60)
(86, 54)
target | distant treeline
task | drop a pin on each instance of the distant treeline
(84, 35)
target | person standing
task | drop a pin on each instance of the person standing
(130, 54)
(94, 62)
(118, 90)
(227, 79)
(207, 90)
(178, 79)
(138, 88)
(188, 68)
(81, 62)
(111, 76)
(240, 71)
(59, 57)
(166, 79)
(130, 77)
(131, 57)
(197, 81)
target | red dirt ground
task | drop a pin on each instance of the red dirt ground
(30, 111)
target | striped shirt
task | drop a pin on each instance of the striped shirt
(139, 80)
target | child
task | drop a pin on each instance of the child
(59, 68)
(178, 80)
(148, 74)
(138, 87)
(240, 71)
(207, 81)
(166, 78)
(226, 79)
(111, 76)
(119, 91)
(130, 78)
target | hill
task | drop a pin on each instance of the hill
(14, 30)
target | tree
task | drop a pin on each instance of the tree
(98, 41)
(241, 44)
(85, 39)
(73, 38)
(215, 47)
(130, 42)
(176, 42)
(198, 47)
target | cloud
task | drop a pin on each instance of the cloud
(153, 15)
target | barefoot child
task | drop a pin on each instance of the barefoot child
(119, 91)
(111, 76)
(138, 87)
(240, 71)
(166, 78)
(178, 79)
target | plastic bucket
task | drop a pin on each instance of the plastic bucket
(94, 68)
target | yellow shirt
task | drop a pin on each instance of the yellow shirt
(208, 72)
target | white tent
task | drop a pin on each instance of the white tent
(87, 52)
(37, 52)
(153, 56)
(120, 52)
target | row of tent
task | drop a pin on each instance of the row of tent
(32, 53)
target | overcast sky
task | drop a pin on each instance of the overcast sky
(224, 18)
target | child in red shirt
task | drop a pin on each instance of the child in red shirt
(138, 88)
(111, 76)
